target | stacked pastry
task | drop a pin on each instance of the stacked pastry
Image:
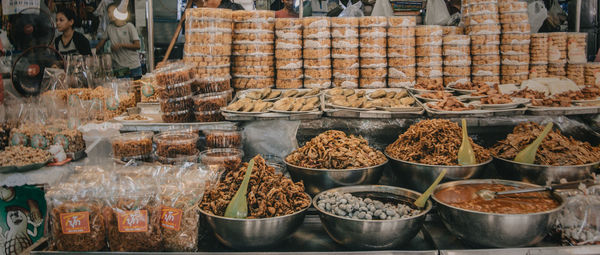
(429, 56)
(208, 41)
(345, 57)
(515, 42)
(317, 52)
(457, 60)
(373, 52)
(557, 54)
(576, 57)
(592, 74)
(483, 25)
(538, 52)
(401, 51)
(288, 53)
(253, 49)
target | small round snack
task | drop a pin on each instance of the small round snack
(266, 27)
(373, 52)
(402, 72)
(288, 83)
(316, 53)
(401, 82)
(210, 101)
(373, 62)
(401, 52)
(490, 80)
(372, 32)
(177, 117)
(316, 21)
(516, 28)
(512, 6)
(429, 30)
(515, 69)
(344, 32)
(456, 40)
(288, 53)
(317, 63)
(372, 83)
(429, 61)
(576, 73)
(453, 30)
(253, 83)
(485, 39)
(289, 33)
(373, 42)
(402, 61)
(345, 43)
(401, 41)
(429, 71)
(576, 48)
(348, 83)
(539, 39)
(216, 71)
(514, 17)
(346, 63)
(514, 49)
(372, 21)
(253, 61)
(428, 51)
(456, 50)
(487, 70)
(483, 30)
(457, 80)
(208, 14)
(482, 19)
(253, 71)
(428, 40)
(557, 70)
(253, 49)
(253, 16)
(457, 61)
(457, 70)
(485, 60)
(479, 9)
(316, 33)
(209, 38)
(491, 49)
(430, 81)
(289, 74)
(282, 43)
(345, 53)
(538, 71)
(320, 73)
(513, 79)
(175, 104)
(317, 43)
(294, 63)
(379, 72)
(317, 83)
(208, 49)
(522, 59)
(253, 37)
(351, 73)
(288, 23)
(402, 21)
(401, 32)
(344, 22)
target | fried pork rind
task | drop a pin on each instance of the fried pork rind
(528, 93)
(334, 150)
(450, 104)
(556, 149)
(433, 142)
(269, 194)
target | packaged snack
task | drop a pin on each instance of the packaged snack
(515, 69)
(401, 52)
(317, 73)
(478, 9)
(224, 159)
(135, 145)
(209, 116)
(345, 42)
(372, 83)
(402, 21)
(514, 17)
(429, 61)
(483, 30)
(210, 101)
(482, 19)
(516, 28)
(316, 53)
(428, 51)
(288, 53)
(401, 41)
(576, 48)
(380, 72)
(175, 90)
(176, 117)
(253, 83)
(373, 62)
(459, 60)
(344, 53)
(405, 61)
(372, 32)
(513, 79)
(211, 84)
(344, 22)
(401, 82)
(453, 30)
(575, 72)
(346, 73)
(176, 104)
(538, 71)
(512, 6)
(429, 71)
(485, 70)
(373, 52)
(401, 32)
(485, 60)
(372, 21)
(457, 70)
(429, 81)
(373, 42)
(428, 40)
(253, 16)
(453, 50)
(282, 43)
(289, 73)
(349, 83)
(485, 49)
(316, 33)
(288, 23)
(317, 83)
(490, 80)
(485, 39)
(172, 143)
(288, 83)
(522, 59)
(456, 40)
(456, 80)
(312, 22)
(402, 72)
(429, 30)
(320, 63)
(516, 39)
(344, 32)
(346, 63)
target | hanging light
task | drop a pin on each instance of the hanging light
(120, 12)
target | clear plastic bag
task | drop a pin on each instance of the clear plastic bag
(352, 10)
(578, 221)
(437, 13)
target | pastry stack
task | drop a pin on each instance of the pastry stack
(373, 52)
(483, 25)
(317, 52)
(401, 51)
(344, 53)
(515, 42)
(208, 42)
(557, 54)
(253, 49)
(288, 53)
(592, 74)
(538, 52)
(576, 57)
(457, 60)
(174, 89)
(429, 56)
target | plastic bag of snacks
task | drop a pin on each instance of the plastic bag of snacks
(578, 220)
(133, 215)
(181, 192)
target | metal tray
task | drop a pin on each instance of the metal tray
(14, 169)
(573, 110)
(269, 115)
(340, 112)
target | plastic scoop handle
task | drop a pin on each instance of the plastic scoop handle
(466, 155)
(422, 200)
(527, 155)
(238, 206)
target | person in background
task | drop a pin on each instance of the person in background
(287, 11)
(223, 4)
(125, 42)
(70, 42)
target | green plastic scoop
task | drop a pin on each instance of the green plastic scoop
(238, 206)
(466, 155)
(527, 155)
(422, 200)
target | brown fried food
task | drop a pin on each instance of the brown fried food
(149, 240)
(450, 104)
(556, 149)
(334, 150)
(433, 142)
(436, 95)
(496, 99)
(269, 194)
(553, 101)
(486, 90)
(529, 94)
(95, 240)
(430, 86)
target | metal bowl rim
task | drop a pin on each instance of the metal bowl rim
(545, 166)
(445, 166)
(337, 170)
(260, 219)
(562, 201)
(423, 213)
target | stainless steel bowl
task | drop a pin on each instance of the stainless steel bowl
(373, 234)
(243, 234)
(493, 229)
(318, 180)
(420, 176)
(539, 174)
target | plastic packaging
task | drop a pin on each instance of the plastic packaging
(456, 40)
(373, 42)
(288, 53)
(344, 53)
(316, 33)
(380, 72)
(136, 145)
(209, 116)
(253, 16)
(487, 70)
(372, 21)
(176, 104)
(351, 73)
(402, 62)
(513, 79)
(212, 84)
(345, 63)
(179, 159)
(317, 43)
(454, 50)
(313, 22)
(457, 71)
(288, 83)
(373, 52)
(402, 52)
(514, 17)
(285, 64)
(317, 73)
(430, 71)
(480, 9)
(345, 43)
(372, 83)
(538, 71)
(515, 69)
(253, 83)
(459, 60)
(174, 74)
(401, 32)
(290, 74)
(317, 83)
(172, 143)
(485, 60)
(577, 47)
(515, 59)
(514, 49)
(516, 39)
(428, 40)
(456, 80)
(482, 19)
(485, 49)
(429, 30)
(401, 82)
(288, 23)
(316, 53)
(344, 32)
(428, 51)
(349, 83)
(317, 63)
(210, 101)
(489, 80)
(176, 90)
(282, 43)
(401, 41)
(402, 72)
(429, 61)
(506, 7)
(402, 21)
(373, 62)
(485, 39)
(223, 159)
(372, 32)
(239, 71)
(516, 28)
(483, 30)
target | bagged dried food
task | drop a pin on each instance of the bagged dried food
(173, 143)
(269, 194)
(576, 222)
(433, 142)
(136, 145)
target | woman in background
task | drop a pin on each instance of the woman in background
(70, 42)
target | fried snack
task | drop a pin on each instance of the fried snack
(433, 142)
(430, 86)
(450, 104)
(148, 240)
(182, 237)
(496, 99)
(486, 90)
(269, 194)
(22, 156)
(552, 102)
(94, 240)
(137, 144)
(556, 149)
(439, 95)
(335, 150)
(528, 93)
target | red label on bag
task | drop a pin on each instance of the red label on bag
(132, 221)
(75, 223)
(170, 218)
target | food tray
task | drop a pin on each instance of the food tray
(14, 169)
(347, 112)
(242, 94)
(462, 114)
(271, 115)
(573, 110)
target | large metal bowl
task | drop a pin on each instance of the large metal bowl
(539, 174)
(373, 234)
(244, 234)
(318, 180)
(420, 176)
(493, 229)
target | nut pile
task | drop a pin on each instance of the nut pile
(335, 150)
(352, 207)
(22, 156)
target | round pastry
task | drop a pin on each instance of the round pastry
(402, 21)
(402, 72)
(288, 84)
(347, 83)
(372, 83)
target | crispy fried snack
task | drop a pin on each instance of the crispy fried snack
(149, 240)
(334, 150)
(556, 149)
(528, 93)
(450, 104)
(496, 99)
(95, 240)
(433, 142)
(436, 95)
(269, 194)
